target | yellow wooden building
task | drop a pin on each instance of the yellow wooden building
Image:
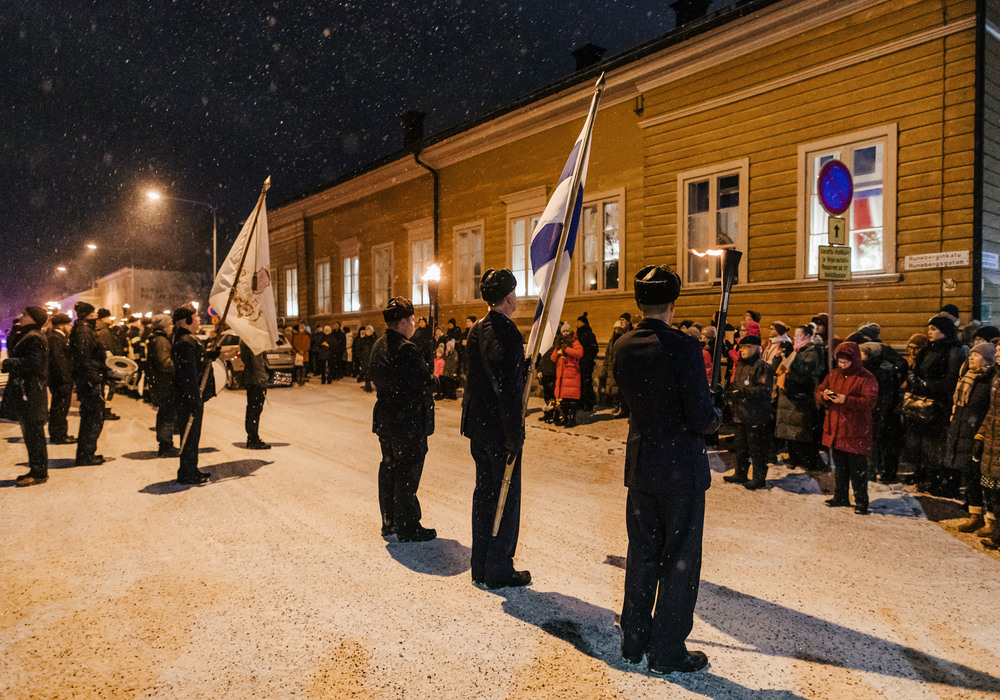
(709, 137)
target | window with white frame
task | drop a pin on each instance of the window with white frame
(870, 156)
(713, 214)
(323, 287)
(468, 262)
(352, 298)
(291, 291)
(421, 257)
(600, 247)
(382, 275)
(521, 229)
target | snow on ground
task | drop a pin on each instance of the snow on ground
(272, 580)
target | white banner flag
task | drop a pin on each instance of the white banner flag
(251, 314)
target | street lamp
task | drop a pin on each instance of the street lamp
(155, 196)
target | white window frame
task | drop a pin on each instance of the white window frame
(527, 206)
(378, 250)
(350, 278)
(712, 173)
(323, 287)
(461, 272)
(888, 133)
(419, 232)
(578, 253)
(291, 290)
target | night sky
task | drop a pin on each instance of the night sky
(102, 101)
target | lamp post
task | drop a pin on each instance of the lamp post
(156, 196)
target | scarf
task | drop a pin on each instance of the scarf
(964, 388)
(803, 342)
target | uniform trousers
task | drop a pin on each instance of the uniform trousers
(663, 568)
(189, 450)
(91, 421)
(751, 446)
(33, 432)
(165, 422)
(255, 404)
(851, 468)
(398, 479)
(493, 557)
(58, 410)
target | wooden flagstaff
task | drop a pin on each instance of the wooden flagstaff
(549, 293)
(730, 270)
(232, 292)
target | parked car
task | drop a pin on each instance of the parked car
(280, 361)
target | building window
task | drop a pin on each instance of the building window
(521, 229)
(352, 298)
(421, 257)
(713, 205)
(291, 291)
(600, 233)
(871, 158)
(274, 287)
(382, 275)
(323, 287)
(468, 262)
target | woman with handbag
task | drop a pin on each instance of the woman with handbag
(927, 402)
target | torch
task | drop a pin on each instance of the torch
(730, 270)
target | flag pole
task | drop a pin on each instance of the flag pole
(232, 292)
(549, 293)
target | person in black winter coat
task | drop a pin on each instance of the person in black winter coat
(28, 366)
(883, 460)
(160, 368)
(749, 393)
(255, 376)
(60, 379)
(661, 375)
(190, 361)
(935, 373)
(492, 420)
(970, 404)
(585, 334)
(89, 370)
(403, 418)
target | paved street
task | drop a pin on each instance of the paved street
(272, 580)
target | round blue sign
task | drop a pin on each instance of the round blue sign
(836, 187)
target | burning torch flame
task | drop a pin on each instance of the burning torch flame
(713, 252)
(433, 274)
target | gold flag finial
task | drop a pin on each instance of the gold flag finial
(267, 183)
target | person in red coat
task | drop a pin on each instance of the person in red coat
(849, 394)
(566, 354)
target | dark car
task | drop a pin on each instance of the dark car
(280, 361)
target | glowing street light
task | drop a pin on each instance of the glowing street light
(61, 268)
(155, 196)
(91, 246)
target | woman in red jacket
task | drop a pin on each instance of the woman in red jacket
(566, 353)
(849, 393)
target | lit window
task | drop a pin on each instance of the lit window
(600, 231)
(323, 287)
(713, 217)
(382, 275)
(468, 262)
(291, 291)
(520, 254)
(352, 298)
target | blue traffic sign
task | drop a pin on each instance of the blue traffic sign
(836, 187)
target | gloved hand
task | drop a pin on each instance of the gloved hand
(719, 399)
(213, 355)
(513, 445)
(977, 450)
(5, 367)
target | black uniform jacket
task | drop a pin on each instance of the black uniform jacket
(486, 417)
(189, 363)
(29, 374)
(60, 365)
(254, 367)
(404, 384)
(88, 356)
(661, 374)
(161, 368)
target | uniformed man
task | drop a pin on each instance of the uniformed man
(28, 366)
(60, 379)
(189, 363)
(661, 376)
(160, 375)
(255, 380)
(402, 419)
(88, 358)
(493, 420)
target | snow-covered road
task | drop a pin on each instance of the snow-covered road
(272, 580)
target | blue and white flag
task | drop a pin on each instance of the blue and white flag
(551, 265)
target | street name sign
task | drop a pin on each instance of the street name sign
(834, 263)
(929, 261)
(837, 230)
(836, 187)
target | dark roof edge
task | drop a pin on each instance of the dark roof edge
(671, 38)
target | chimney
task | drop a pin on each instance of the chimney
(686, 11)
(413, 127)
(588, 55)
